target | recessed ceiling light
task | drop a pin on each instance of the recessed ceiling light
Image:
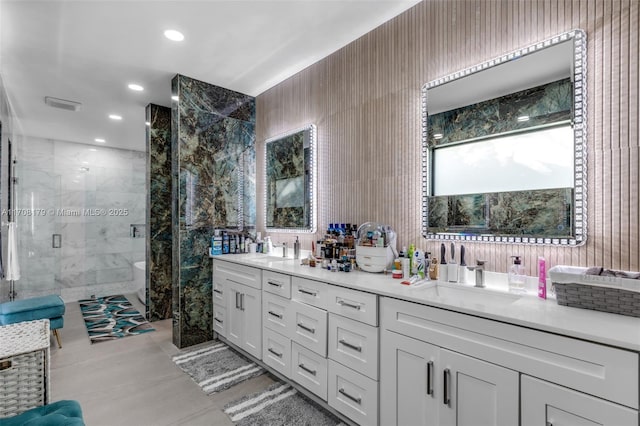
(99, 140)
(136, 87)
(115, 117)
(174, 35)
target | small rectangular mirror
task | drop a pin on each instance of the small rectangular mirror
(290, 180)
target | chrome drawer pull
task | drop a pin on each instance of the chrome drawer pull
(309, 329)
(215, 290)
(218, 320)
(275, 353)
(446, 398)
(305, 291)
(349, 305)
(354, 399)
(275, 315)
(430, 378)
(349, 345)
(274, 283)
(307, 369)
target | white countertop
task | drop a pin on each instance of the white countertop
(528, 311)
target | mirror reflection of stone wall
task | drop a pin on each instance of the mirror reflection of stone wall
(288, 174)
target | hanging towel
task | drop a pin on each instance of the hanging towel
(13, 268)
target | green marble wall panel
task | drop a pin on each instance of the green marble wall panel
(545, 212)
(213, 153)
(159, 245)
(543, 105)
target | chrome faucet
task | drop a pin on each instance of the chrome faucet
(479, 268)
(284, 249)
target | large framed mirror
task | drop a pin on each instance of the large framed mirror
(504, 148)
(290, 181)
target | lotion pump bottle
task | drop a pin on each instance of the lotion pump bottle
(296, 249)
(517, 278)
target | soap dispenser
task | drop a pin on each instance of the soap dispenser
(517, 278)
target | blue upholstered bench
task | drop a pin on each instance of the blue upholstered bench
(59, 413)
(35, 308)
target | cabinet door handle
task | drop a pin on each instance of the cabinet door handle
(242, 302)
(446, 398)
(237, 300)
(353, 398)
(430, 378)
(275, 315)
(218, 320)
(309, 329)
(279, 355)
(308, 370)
(350, 345)
(274, 283)
(305, 291)
(349, 305)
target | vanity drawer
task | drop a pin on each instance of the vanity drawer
(239, 274)
(219, 323)
(309, 369)
(599, 370)
(276, 311)
(314, 293)
(277, 283)
(354, 344)
(276, 351)
(218, 293)
(352, 394)
(354, 304)
(309, 327)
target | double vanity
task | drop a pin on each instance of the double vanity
(382, 353)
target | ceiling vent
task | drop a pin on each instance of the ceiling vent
(62, 103)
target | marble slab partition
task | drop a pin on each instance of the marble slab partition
(159, 246)
(212, 148)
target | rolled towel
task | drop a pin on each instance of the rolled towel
(596, 270)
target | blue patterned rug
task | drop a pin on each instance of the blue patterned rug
(112, 317)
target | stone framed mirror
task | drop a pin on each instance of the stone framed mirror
(504, 147)
(289, 181)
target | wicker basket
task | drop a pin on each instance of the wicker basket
(600, 293)
(24, 366)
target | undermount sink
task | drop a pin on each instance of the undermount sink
(467, 295)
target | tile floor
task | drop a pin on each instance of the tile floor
(133, 380)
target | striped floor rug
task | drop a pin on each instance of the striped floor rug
(215, 367)
(279, 404)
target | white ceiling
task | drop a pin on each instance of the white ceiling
(88, 51)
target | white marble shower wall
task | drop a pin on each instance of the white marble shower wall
(89, 196)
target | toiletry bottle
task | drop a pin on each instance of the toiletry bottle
(216, 243)
(516, 277)
(225, 242)
(462, 274)
(452, 272)
(296, 248)
(412, 249)
(542, 278)
(444, 276)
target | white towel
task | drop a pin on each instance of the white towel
(13, 268)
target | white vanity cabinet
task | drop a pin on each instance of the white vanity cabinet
(434, 386)
(353, 354)
(449, 368)
(547, 404)
(240, 287)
